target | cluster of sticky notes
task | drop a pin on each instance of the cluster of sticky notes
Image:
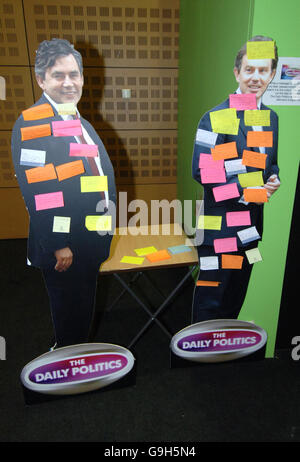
(225, 121)
(153, 255)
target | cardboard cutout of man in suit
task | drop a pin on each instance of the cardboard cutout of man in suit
(68, 252)
(225, 299)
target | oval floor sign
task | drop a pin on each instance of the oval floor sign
(218, 340)
(77, 368)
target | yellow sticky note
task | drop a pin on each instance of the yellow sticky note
(225, 121)
(133, 260)
(61, 224)
(209, 222)
(93, 183)
(145, 251)
(261, 50)
(253, 255)
(257, 117)
(66, 109)
(98, 222)
(251, 179)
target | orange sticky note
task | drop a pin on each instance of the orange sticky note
(224, 151)
(34, 175)
(254, 159)
(232, 261)
(69, 169)
(157, 256)
(42, 111)
(208, 283)
(37, 131)
(255, 195)
(260, 139)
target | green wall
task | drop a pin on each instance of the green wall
(211, 32)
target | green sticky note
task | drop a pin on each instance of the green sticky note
(257, 117)
(93, 183)
(61, 224)
(98, 222)
(145, 251)
(132, 260)
(253, 255)
(251, 179)
(209, 222)
(261, 50)
(66, 109)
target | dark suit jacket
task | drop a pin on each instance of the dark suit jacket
(211, 207)
(42, 241)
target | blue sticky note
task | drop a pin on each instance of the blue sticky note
(179, 249)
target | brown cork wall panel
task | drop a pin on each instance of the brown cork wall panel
(142, 157)
(14, 215)
(13, 49)
(132, 33)
(7, 171)
(152, 105)
(18, 95)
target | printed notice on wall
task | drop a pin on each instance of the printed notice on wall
(284, 90)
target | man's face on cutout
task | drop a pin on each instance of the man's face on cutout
(63, 82)
(254, 75)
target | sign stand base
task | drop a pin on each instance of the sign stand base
(33, 397)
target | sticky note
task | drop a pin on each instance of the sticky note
(225, 121)
(248, 235)
(253, 255)
(49, 200)
(207, 161)
(260, 139)
(158, 256)
(238, 218)
(61, 224)
(255, 195)
(232, 261)
(251, 179)
(242, 101)
(93, 183)
(224, 151)
(132, 260)
(66, 109)
(206, 138)
(145, 251)
(83, 150)
(42, 111)
(67, 128)
(261, 50)
(257, 118)
(233, 167)
(202, 283)
(35, 131)
(225, 192)
(254, 159)
(175, 249)
(226, 244)
(209, 222)
(209, 263)
(32, 157)
(212, 175)
(37, 174)
(69, 169)
(98, 222)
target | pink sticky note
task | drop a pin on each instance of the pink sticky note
(243, 101)
(66, 128)
(207, 161)
(228, 191)
(83, 150)
(227, 244)
(238, 218)
(212, 175)
(49, 200)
